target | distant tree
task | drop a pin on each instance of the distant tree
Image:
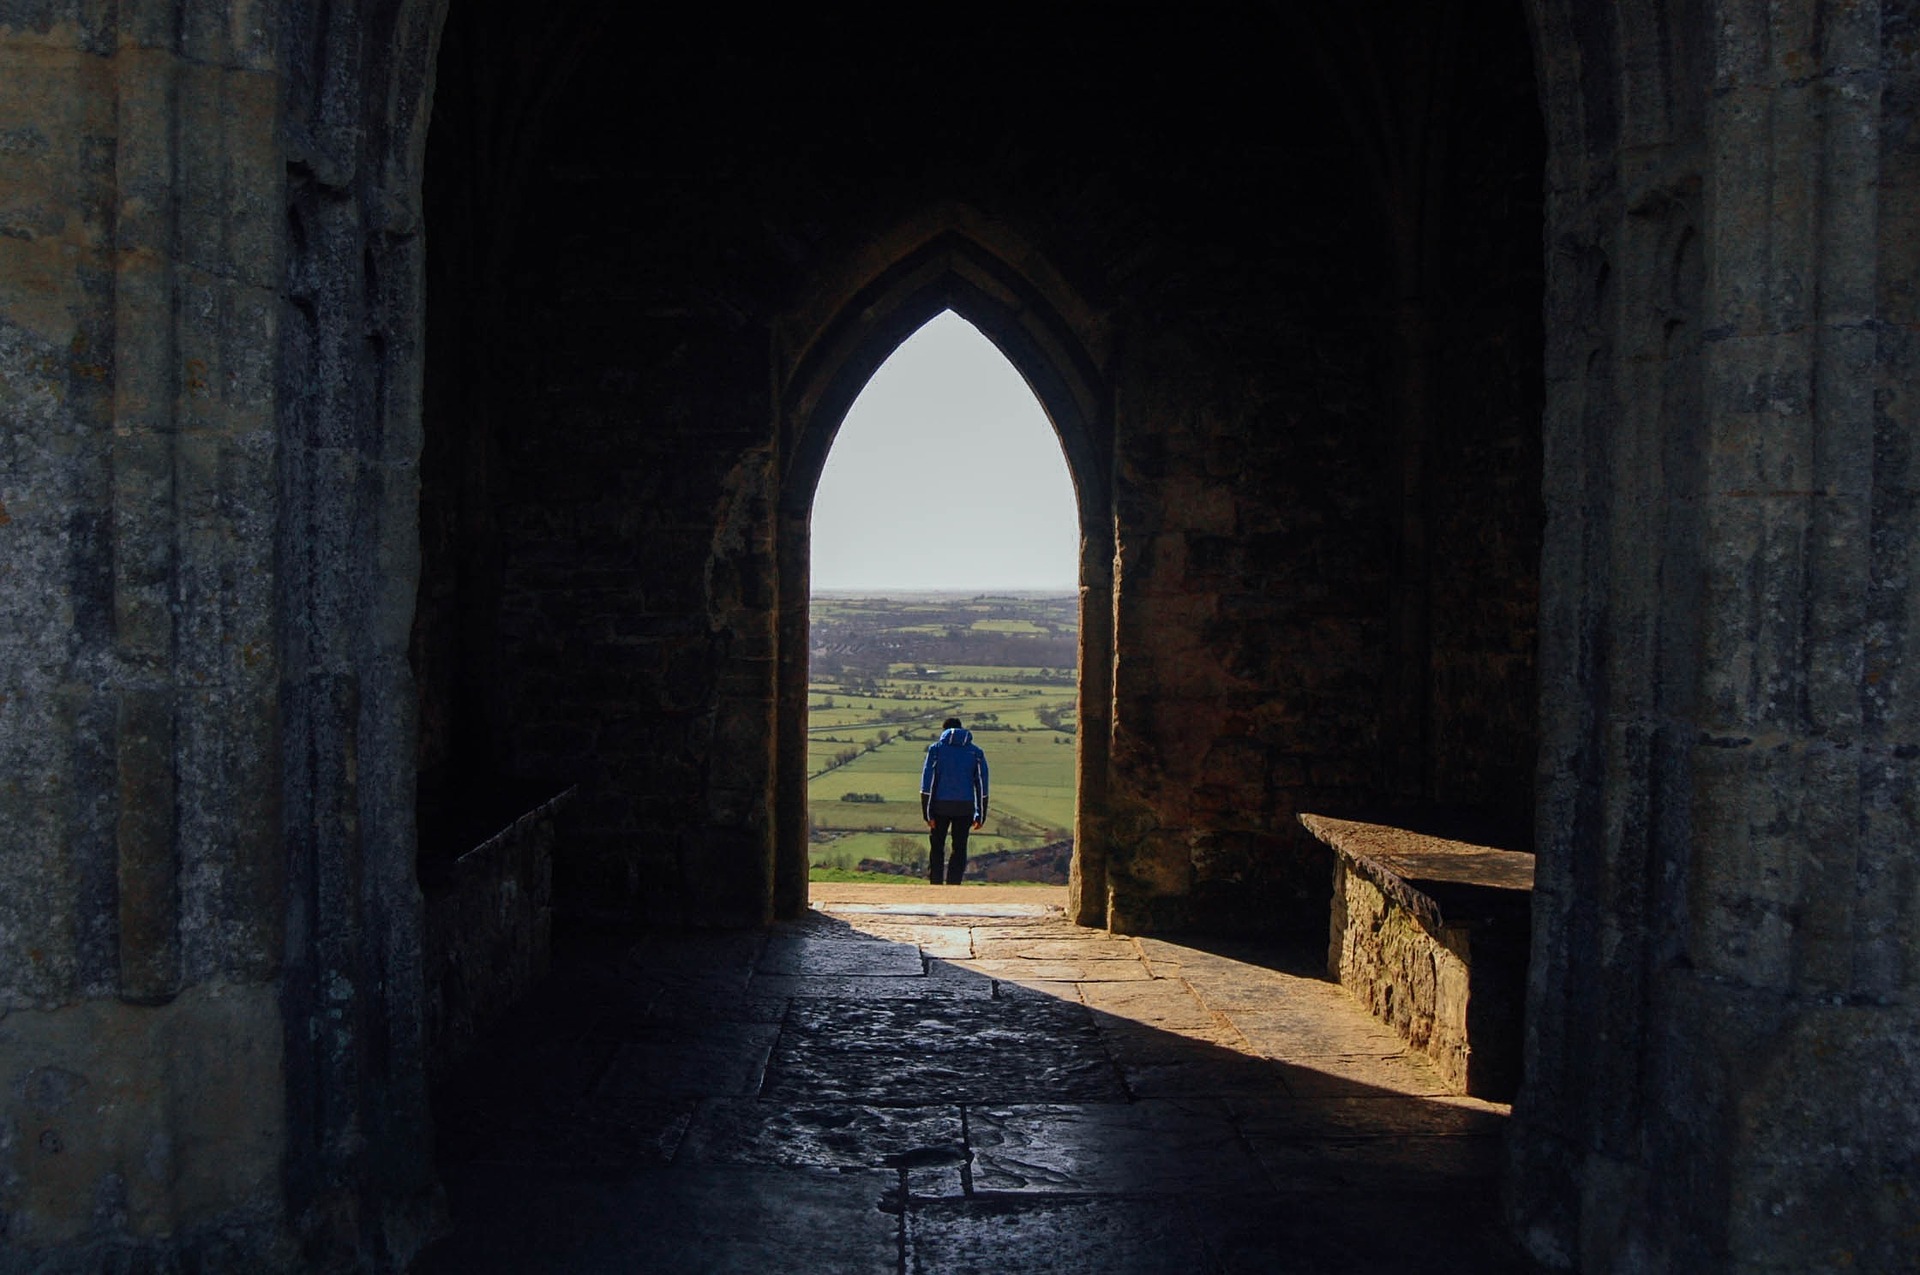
(1052, 715)
(903, 850)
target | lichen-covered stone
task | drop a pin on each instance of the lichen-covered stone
(1414, 981)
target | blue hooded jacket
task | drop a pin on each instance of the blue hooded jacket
(956, 770)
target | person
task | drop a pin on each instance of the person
(953, 798)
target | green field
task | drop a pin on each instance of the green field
(870, 720)
(1031, 764)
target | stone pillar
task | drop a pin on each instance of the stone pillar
(1721, 1066)
(141, 876)
(1087, 889)
(358, 1169)
(211, 1043)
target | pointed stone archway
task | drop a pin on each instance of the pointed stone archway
(1025, 318)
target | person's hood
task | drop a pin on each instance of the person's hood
(956, 736)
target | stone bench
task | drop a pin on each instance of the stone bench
(1432, 937)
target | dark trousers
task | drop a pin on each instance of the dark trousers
(955, 817)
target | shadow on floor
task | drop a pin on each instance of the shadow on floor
(912, 1091)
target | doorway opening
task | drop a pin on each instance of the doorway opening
(945, 555)
(1025, 644)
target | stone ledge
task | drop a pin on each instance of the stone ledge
(1427, 875)
(1432, 936)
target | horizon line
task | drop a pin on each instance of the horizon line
(922, 591)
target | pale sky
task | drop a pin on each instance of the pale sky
(946, 475)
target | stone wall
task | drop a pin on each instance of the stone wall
(1430, 934)
(1324, 518)
(489, 932)
(597, 605)
(605, 588)
(1414, 981)
(357, 1176)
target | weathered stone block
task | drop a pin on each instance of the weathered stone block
(1846, 1201)
(127, 1123)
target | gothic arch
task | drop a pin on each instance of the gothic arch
(949, 270)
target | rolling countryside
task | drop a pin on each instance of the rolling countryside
(886, 671)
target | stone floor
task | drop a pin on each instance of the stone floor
(915, 1080)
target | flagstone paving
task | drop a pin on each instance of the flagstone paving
(916, 1080)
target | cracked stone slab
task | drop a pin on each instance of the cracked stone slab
(1317, 1032)
(1061, 971)
(1229, 961)
(1263, 991)
(931, 1051)
(793, 954)
(864, 1082)
(936, 1182)
(1094, 946)
(1380, 1165)
(865, 987)
(1162, 1004)
(1048, 927)
(690, 1061)
(954, 941)
(937, 1025)
(824, 1135)
(684, 1005)
(1374, 1116)
(1134, 1044)
(1353, 1234)
(1165, 959)
(1150, 1147)
(943, 970)
(1199, 1071)
(909, 1078)
(1011, 989)
(1061, 1237)
(699, 953)
(732, 1218)
(1334, 1076)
